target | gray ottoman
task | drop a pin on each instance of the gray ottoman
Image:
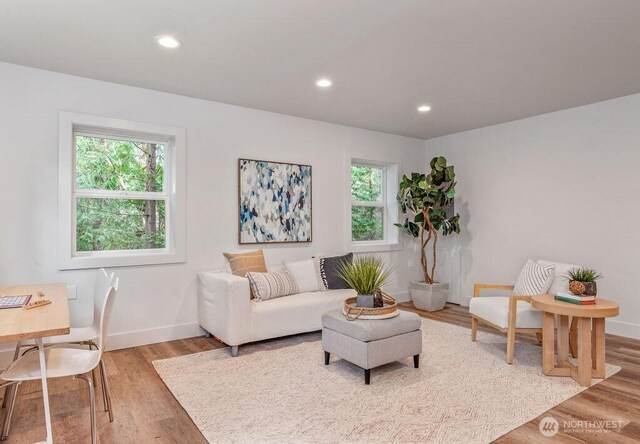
(372, 343)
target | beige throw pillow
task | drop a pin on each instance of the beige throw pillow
(242, 263)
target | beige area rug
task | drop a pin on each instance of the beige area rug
(280, 391)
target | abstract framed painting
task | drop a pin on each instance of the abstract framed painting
(274, 200)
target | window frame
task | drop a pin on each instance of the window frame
(371, 204)
(173, 192)
(390, 181)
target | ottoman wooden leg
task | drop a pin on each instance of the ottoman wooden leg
(367, 376)
(327, 355)
(416, 361)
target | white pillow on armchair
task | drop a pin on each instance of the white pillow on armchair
(560, 283)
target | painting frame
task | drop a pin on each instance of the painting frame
(309, 201)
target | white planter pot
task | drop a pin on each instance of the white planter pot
(429, 297)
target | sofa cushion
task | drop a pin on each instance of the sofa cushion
(267, 286)
(496, 311)
(367, 330)
(294, 314)
(304, 272)
(560, 283)
(329, 270)
(242, 263)
(534, 279)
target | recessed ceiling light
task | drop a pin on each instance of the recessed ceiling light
(424, 108)
(324, 83)
(168, 42)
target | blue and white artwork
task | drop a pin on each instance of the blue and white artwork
(275, 202)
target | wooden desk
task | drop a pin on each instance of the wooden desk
(590, 342)
(49, 320)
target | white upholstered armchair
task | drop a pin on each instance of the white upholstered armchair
(512, 314)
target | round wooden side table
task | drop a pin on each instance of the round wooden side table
(590, 320)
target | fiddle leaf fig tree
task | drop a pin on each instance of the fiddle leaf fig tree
(427, 197)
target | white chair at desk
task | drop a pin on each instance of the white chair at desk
(61, 362)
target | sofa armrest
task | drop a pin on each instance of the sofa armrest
(224, 306)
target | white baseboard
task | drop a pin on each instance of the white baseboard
(615, 327)
(136, 338)
(129, 339)
(402, 296)
(621, 328)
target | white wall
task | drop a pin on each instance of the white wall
(563, 186)
(159, 302)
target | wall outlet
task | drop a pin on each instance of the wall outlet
(72, 292)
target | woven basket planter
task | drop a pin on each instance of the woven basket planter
(352, 311)
(583, 288)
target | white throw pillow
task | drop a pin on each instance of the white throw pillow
(534, 279)
(304, 272)
(560, 283)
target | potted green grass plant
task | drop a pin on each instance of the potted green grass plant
(366, 275)
(428, 199)
(582, 281)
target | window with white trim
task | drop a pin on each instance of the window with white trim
(121, 192)
(368, 202)
(373, 208)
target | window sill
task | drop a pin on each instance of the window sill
(121, 260)
(373, 247)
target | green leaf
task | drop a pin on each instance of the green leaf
(451, 193)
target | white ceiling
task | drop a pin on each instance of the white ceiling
(475, 62)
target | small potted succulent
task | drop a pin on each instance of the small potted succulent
(582, 281)
(366, 275)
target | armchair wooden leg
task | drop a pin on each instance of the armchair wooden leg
(474, 329)
(511, 343)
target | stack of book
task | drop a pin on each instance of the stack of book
(576, 299)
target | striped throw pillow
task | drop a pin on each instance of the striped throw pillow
(534, 279)
(265, 286)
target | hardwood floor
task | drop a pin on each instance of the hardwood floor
(145, 411)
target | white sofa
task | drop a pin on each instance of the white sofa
(226, 310)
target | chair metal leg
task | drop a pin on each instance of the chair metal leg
(16, 355)
(234, 350)
(12, 392)
(92, 407)
(107, 393)
(94, 376)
